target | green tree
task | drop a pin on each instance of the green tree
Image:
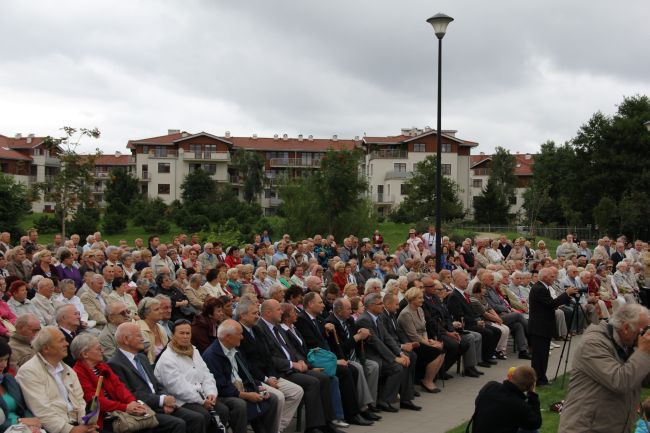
(502, 173)
(329, 200)
(151, 215)
(14, 204)
(250, 167)
(605, 216)
(420, 202)
(121, 191)
(535, 198)
(491, 207)
(70, 188)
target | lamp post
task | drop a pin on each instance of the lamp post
(439, 23)
(647, 125)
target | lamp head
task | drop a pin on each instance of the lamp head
(440, 23)
(647, 125)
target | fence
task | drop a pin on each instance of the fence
(581, 233)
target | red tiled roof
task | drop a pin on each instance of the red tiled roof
(162, 139)
(20, 143)
(388, 140)
(271, 144)
(524, 166)
(6, 153)
(112, 160)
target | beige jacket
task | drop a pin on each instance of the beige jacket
(196, 296)
(43, 398)
(604, 389)
(150, 340)
(21, 351)
(94, 308)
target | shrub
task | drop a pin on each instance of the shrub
(47, 224)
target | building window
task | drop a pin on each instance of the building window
(36, 152)
(404, 189)
(164, 167)
(269, 193)
(513, 200)
(446, 148)
(481, 172)
(163, 188)
(210, 168)
(145, 149)
(446, 169)
(419, 147)
(400, 167)
(477, 183)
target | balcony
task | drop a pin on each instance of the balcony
(49, 178)
(381, 198)
(389, 154)
(275, 201)
(294, 162)
(236, 180)
(162, 153)
(32, 179)
(145, 177)
(206, 156)
(399, 175)
(102, 174)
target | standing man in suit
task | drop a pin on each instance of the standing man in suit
(292, 366)
(236, 385)
(459, 306)
(68, 319)
(257, 356)
(541, 323)
(134, 370)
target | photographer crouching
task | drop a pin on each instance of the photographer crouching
(607, 374)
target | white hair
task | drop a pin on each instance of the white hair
(228, 327)
(373, 282)
(630, 314)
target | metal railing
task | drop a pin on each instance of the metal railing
(294, 162)
(389, 154)
(380, 198)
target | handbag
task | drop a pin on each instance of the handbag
(323, 358)
(124, 422)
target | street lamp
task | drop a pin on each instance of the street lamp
(439, 23)
(647, 125)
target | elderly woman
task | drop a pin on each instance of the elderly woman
(233, 285)
(12, 403)
(196, 293)
(412, 328)
(272, 275)
(262, 285)
(518, 251)
(128, 266)
(181, 307)
(68, 296)
(298, 277)
(356, 304)
(42, 265)
(19, 303)
(67, 269)
(340, 278)
(480, 305)
(249, 257)
(232, 257)
(121, 293)
(183, 373)
(276, 291)
(350, 291)
(145, 260)
(192, 261)
(89, 367)
(152, 331)
(481, 258)
(17, 264)
(494, 254)
(285, 276)
(204, 326)
(215, 282)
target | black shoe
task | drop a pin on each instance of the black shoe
(477, 371)
(409, 405)
(416, 394)
(471, 373)
(501, 355)
(445, 376)
(386, 407)
(358, 420)
(370, 416)
(492, 361)
(373, 408)
(541, 383)
(484, 364)
(524, 355)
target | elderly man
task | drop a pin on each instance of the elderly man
(69, 320)
(116, 313)
(257, 355)
(162, 260)
(134, 370)
(610, 365)
(94, 302)
(109, 274)
(542, 319)
(626, 282)
(165, 313)
(313, 284)
(373, 285)
(208, 259)
(43, 303)
(237, 387)
(27, 327)
(51, 388)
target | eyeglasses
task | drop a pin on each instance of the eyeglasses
(124, 313)
(378, 303)
(426, 287)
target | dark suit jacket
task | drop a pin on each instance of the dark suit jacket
(69, 359)
(502, 407)
(616, 258)
(437, 317)
(461, 309)
(346, 344)
(376, 348)
(313, 333)
(277, 359)
(255, 350)
(220, 367)
(389, 326)
(130, 377)
(541, 319)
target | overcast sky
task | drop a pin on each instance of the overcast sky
(515, 73)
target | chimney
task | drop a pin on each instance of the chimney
(285, 137)
(275, 136)
(299, 137)
(227, 134)
(427, 128)
(517, 152)
(19, 135)
(173, 131)
(356, 138)
(118, 154)
(528, 156)
(335, 137)
(184, 134)
(29, 138)
(254, 137)
(310, 138)
(482, 153)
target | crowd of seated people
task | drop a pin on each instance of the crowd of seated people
(207, 337)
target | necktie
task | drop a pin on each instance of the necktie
(345, 329)
(377, 327)
(284, 344)
(140, 368)
(466, 297)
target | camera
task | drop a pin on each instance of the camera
(644, 330)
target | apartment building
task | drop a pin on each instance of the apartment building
(104, 164)
(391, 160)
(27, 160)
(480, 172)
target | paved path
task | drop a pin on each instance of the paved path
(454, 405)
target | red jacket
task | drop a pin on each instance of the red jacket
(341, 280)
(114, 395)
